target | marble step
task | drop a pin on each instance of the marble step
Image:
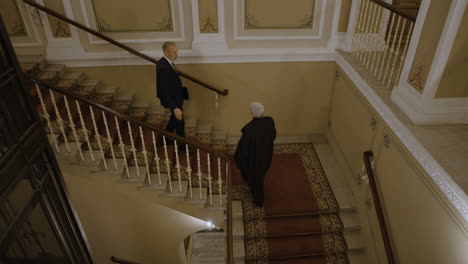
(354, 240)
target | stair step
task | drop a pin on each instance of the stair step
(196, 196)
(237, 210)
(123, 95)
(135, 174)
(357, 257)
(111, 169)
(88, 158)
(106, 89)
(238, 248)
(57, 68)
(354, 240)
(176, 189)
(155, 185)
(238, 228)
(216, 202)
(350, 220)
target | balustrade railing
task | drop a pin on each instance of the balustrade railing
(87, 124)
(381, 40)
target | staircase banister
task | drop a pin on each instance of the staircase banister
(122, 261)
(395, 10)
(127, 118)
(120, 45)
(230, 242)
(367, 155)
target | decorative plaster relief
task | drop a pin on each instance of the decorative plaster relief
(278, 14)
(418, 77)
(208, 16)
(59, 28)
(147, 15)
(12, 17)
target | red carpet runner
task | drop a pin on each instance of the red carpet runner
(299, 222)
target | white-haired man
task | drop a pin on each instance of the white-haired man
(255, 150)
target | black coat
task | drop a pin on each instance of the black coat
(255, 150)
(169, 87)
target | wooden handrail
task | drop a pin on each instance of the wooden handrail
(378, 207)
(120, 45)
(127, 118)
(395, 10)
(121, 261)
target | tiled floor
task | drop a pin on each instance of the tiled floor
(448, 144)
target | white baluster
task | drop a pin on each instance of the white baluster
(132, 143)
(47, 118)
(98, 138)
(178, 165)
(392, 51)
(168, 164)
(145, 155)
(60, 121)
(209, 179)
(226, 179)
(156, 158)
(220, 183)
(379, 35)
(199, 174)
(84, 129)
(365, 28)
(358, 28)
(109, 140)
(189, 170)
(386, 39)
(405, 50)
(122, 147)
(374, 35)
(369, 34)
(72, 125)
(397, 53)
(387, 44)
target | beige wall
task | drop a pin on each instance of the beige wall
(454, 82)
(208, 16)
(344, 15)
(428, 42)
(295, 94)
(120, 221)
(424, 226)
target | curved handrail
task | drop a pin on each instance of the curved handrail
(120, 45)
(378, 207)
(127, 118)
(395, 10)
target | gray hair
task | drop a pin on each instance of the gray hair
(257, 109)
(167, 44)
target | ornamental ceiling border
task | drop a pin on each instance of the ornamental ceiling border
(252, 22)
(19, 28)
(165, 24)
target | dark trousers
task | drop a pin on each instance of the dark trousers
(178, 125)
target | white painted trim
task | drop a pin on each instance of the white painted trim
(190, 57)
(181, 38)
(206, 43)
(417, 30)
(449, 33)
(31, 27)
(353, 18)
(336, 38)
(449, 188)
(237, 32)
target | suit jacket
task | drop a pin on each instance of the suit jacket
(169, 87)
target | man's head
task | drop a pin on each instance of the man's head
(257, 109)
(170, 50)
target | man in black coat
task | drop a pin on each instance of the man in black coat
(255, 150)
(170, 91)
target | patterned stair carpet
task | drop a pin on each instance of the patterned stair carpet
(299, 222)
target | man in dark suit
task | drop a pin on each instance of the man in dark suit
(170, 91)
